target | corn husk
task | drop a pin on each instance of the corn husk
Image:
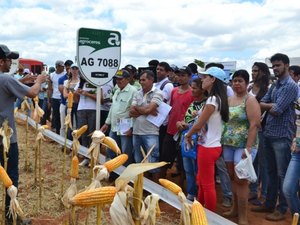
(6, 132)
(127, 214)
(134, 169)
(185, 216)
(152, 210)
(14, 206)
(120, 210)
(25, 105)
(37, 111)
(70, 193)
(68, 119)
(99, 173)
(94, 149)
(75, 144)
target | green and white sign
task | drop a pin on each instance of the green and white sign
(98, 54)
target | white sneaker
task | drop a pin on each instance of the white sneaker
(84, 162)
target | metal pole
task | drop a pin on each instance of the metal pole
(98, 105)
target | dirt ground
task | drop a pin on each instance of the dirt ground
(52, 212)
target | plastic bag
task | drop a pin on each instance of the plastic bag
(187, 150)
(245, 170)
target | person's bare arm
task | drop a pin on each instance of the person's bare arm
(148, 109)
(253, 115)
(35, 89)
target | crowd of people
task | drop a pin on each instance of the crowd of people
(213, 119)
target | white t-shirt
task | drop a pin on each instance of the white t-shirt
(54, 78)
(84, 101)
(229, 91)
(166, 90)
(212, 130)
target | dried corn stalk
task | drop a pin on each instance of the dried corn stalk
(25, 107)
(38, 160)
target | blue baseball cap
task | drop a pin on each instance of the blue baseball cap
(217, 73)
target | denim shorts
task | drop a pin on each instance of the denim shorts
(234, 154)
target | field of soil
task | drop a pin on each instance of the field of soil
(52, 212)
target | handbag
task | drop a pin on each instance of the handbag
(189, 151)
(245, 170)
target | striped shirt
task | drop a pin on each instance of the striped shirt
(283, 96)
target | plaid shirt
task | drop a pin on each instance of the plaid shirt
(283, 96)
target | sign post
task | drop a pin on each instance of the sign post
(99, 57)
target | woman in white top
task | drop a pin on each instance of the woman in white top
(209, 124)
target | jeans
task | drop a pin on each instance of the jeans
(47, 112)
(12, 168)
(291, 184)
(125, 143)
(62, 113)
(278, 155)
(190, 168)
(86, 117)
(146, 142)
(261, 168)
(224, 177)
(55, 114)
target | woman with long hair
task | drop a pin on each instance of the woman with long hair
(209, 125)
(258, 88)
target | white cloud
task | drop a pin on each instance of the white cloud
(173, 31)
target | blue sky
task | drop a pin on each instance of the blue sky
(174, 31)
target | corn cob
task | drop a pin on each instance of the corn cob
(5, 178)
(70, 100)
(74, 167)
(36, 99)
(112, 144)
(198, 214)
(45, 126)
(98, 196)
(113, 164)
(170, 186)
(81, 130)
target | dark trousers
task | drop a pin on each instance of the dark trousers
(55, 115)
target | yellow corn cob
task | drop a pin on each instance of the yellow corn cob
(98, 196)
(170, 186)
(74, 167)
(5, 178)
(81, 130)
(113, 164)
(70, 99)
(198, 214)
(36, 99)
(45, 126)
(112, 144)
